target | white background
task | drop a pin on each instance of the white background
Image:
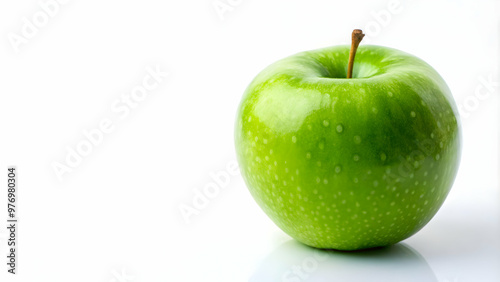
(116, 217)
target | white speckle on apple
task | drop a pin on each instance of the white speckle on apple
(338, 169)
(256, 138)
(390, 94)
(356, 158)
(318, 180)
(355, 180)
(294, 139)
(375, 183)
(340, 128)
(318, 163)
(383, 157)
(325, 181)
(438, 157)
(265, 141)
(357, 139)
(308, 155)
(413, 114)
(326, 123)
(321, 145)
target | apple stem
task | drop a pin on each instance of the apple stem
(357, 36)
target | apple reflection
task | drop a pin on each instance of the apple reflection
(295, 262)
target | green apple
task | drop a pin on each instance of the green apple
(348, 163)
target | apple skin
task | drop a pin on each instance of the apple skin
(348, 164)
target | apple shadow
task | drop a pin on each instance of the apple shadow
(293, 261)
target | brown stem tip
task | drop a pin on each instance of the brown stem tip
(357, 36)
